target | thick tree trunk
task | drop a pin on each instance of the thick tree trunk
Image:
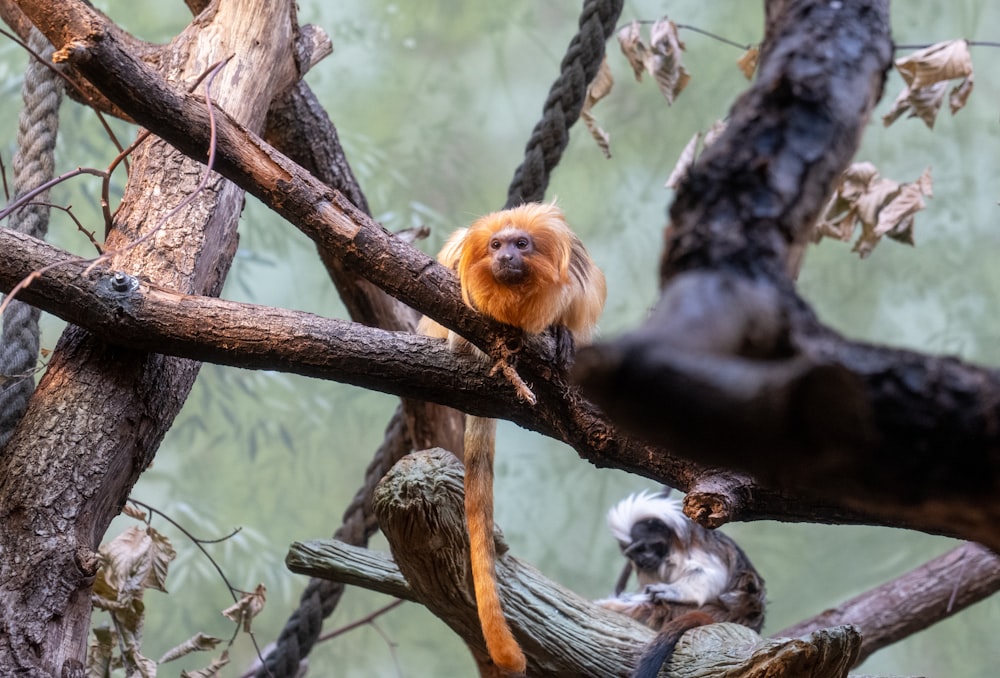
(100, 412)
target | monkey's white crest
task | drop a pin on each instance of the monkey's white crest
(647, 505)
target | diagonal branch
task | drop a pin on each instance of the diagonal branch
(914, 601)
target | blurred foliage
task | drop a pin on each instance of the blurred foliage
(434, 102)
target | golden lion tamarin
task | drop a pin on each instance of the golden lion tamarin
(524, 267)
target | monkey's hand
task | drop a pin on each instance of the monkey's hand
(565, 348)
(666, 593)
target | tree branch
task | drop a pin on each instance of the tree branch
(924, 596)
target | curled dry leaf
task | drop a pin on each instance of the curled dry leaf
(599, 88)
(247, 607)
(200, 642)
(960, 94)
(880, 206)
(661, 59)
(630, 42)
(690, 152)
(100, 651)
(941, 61)
(135, 560)
(926, 73)
(923, 103)
(684, 162)
(212, 670)
(664, 60)
(748, 62)
(133, 511)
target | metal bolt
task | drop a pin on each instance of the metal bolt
(121, 282)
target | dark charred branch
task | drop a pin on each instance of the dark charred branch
(733, 368)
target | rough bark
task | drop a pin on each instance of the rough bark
(63, 478)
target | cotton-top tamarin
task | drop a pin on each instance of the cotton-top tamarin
(688, 576)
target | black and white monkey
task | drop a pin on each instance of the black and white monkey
(688, 576)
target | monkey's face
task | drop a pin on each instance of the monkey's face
(510, 249)
(650, 544)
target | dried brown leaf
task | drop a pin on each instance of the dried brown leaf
(937, 63)
(663, 60)
(960, 95)
(630, 42)
(247, 607)
(748, 62)
(683, 163)
(881, 207)
(895, 219)
(200, 642)
(141, 666)
(714, 132)
(133, 511)
(926, 73)
(130, 563)
(690, 153)
(599, 88)
(923, 103)
(212, 670)
(100, 651)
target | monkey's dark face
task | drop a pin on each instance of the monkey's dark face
(510, 251)
(650, 544)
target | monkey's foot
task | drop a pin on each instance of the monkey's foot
(523, 392)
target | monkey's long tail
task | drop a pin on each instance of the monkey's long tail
(480, 440)
(663, 646)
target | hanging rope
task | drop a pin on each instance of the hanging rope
(34, 164)
(566, 96)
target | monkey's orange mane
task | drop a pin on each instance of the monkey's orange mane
(543, 297)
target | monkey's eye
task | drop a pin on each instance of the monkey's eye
(522, 243)
(494, 244)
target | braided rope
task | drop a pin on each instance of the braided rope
(566, 97)
(34, 164)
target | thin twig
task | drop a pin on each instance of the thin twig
(367, 619)
(715, 36)
(105, 256)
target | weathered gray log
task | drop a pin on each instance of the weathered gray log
(419, 507)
